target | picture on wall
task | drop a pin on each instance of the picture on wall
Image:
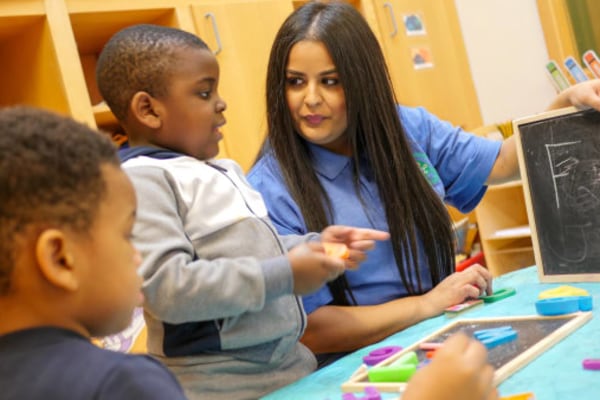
(421, 57)
(414, 24)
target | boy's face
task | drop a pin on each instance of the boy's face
(110, 287)
(192, 110)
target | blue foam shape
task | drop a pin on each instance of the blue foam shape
(493, 330)
(495, 336)
(585, 303)
(557, 305)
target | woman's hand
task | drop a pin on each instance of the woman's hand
(456, 288)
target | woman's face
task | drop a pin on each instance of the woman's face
(315, 96)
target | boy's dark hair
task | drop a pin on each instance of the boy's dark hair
(49, 176)
(140, 58)
(414, 211)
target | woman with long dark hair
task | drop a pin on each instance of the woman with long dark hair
(340, 150)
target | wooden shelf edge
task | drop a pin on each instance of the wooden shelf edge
(103, 115)
(506, 185)
(508, 251)
(516, 232)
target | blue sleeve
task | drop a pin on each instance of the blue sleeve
(462, 160)
(140, 377)
(283, 211)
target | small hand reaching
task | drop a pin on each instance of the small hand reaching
(312, 266)
(358, 241)
(460, 372)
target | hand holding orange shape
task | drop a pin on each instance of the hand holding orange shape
(339, 250)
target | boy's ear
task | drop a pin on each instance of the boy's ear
(55, 261)
(146, 109)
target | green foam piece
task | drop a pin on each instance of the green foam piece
(408, 358)
(392, 373)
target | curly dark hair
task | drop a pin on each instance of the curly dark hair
(50, 175)
(140, 58)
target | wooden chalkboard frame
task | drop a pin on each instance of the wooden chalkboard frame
(359, 379)
(545, 274)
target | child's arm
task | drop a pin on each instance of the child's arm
(583, 95)
(312, 268)
(358, 240)
(221, 280)
(458, 371)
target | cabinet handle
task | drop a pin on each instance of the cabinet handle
(389, 5)
(213, 21)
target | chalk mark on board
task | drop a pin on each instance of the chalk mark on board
(577, 242)
(583, 188)
(563, 166)
(578, 235)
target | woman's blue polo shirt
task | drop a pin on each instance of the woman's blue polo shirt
(456, 163)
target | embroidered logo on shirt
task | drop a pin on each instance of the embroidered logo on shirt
(427, 169)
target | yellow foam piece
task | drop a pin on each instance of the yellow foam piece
(563, 291)
(522, 396)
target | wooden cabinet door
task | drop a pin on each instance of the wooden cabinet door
(425, 52)
(241, 34)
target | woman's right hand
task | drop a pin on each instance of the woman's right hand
(456, 288)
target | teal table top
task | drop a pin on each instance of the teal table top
(556, 374)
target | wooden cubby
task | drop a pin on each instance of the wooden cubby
(31, 72)
(93, 23)
(504, 228)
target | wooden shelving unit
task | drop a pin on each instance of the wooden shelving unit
(504, 228)
(49, 50)
(31, 72)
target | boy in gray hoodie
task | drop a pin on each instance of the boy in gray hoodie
(220, 284)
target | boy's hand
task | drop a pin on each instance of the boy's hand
(312, 268)
(358, 241)
(458, 371)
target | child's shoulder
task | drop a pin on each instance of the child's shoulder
(153, 173)
(78, 367)
(148, 162)
(226, 164)
(169, 159)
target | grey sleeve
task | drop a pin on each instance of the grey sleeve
(290, 241)
(180, 287)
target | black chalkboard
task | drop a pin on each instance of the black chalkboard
(559, 154)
